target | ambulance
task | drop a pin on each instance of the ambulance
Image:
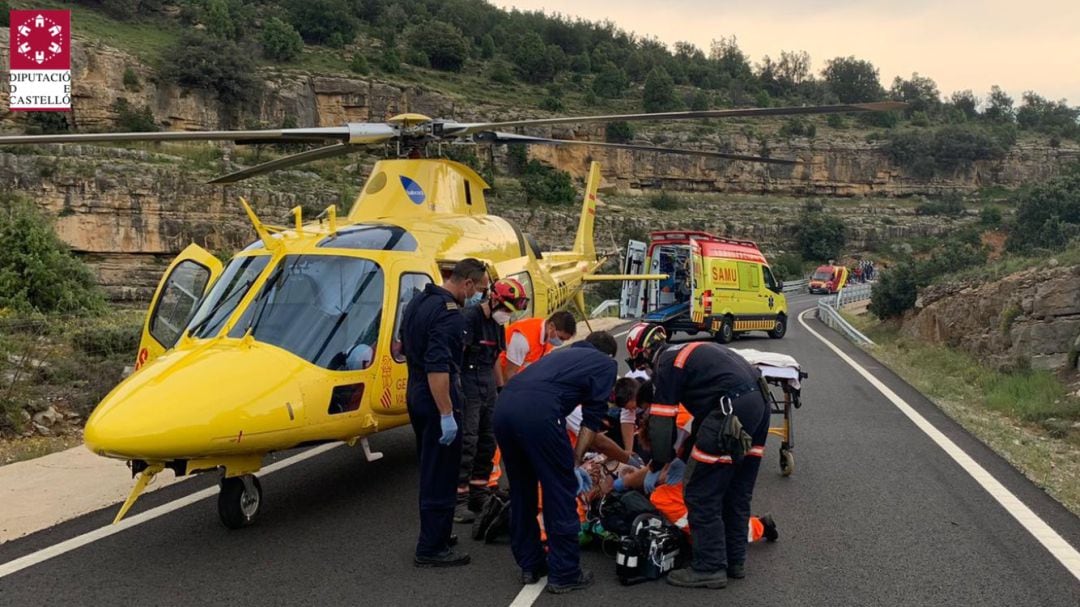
(828, 279)
(719, 285)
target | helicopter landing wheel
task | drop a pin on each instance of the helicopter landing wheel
(239, 500)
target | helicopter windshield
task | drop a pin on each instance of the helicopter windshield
(226, 293)
(323, 308)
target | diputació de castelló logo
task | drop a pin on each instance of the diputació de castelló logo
(40, 76)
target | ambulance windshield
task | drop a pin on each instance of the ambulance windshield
(822, 275)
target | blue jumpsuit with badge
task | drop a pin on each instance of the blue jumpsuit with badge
(431, 334)
(530, 428)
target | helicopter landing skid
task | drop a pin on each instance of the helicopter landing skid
(370, 455)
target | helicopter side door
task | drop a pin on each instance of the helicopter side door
(393, 375)
(632, 302)
(697, 283)
(183, 285)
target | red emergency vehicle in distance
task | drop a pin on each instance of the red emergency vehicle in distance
(828, 279)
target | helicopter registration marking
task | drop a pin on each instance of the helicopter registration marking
(558, 295)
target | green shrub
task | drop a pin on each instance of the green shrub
(417, 57)
(108, 339)
(659, 93)
(948, 206)
(132, 119)
(500, 72)
(390, 61)
(359, 65)
(666, 201)
(38, 273)
(836, 121)
(322, 21)
(788, 266)
(131, 79)
(610, 82)
(990, 217)
(552, 103)
(443, 44)
(1048, 214)
(198, 61)
(821, 236)
(947, 148)
(547, 184)
(280, 40)
(894, 292)
(618, 132)
(798, 127)
(45, 123)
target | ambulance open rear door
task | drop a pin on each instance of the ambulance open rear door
(697, 283)
(632, 302)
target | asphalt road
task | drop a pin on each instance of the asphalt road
(875, 514)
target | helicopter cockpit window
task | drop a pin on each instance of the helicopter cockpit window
(411, 285)
(226, 293)
(371, 238)
(323, 308)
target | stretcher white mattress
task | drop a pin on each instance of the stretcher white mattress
(773, 365)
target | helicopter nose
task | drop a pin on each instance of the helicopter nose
(200, 401)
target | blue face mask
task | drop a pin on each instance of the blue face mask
(474, 300)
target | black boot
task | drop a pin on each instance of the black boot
(462, 512)
(446, 558)
(585, 579)
(736, 571)
(771, 534)
(689, 578)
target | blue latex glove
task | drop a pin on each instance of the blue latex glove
(635, 461)
(583, 479)
(449, 429)
(619, 485)
(650, 481)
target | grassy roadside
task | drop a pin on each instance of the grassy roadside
(1028, 418)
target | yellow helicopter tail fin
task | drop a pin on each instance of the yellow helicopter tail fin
(583, 243)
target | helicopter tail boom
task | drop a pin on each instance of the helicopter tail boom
(583, 242)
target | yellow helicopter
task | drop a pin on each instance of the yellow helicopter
(295, 341)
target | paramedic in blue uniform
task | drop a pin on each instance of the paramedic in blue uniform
(530, 428)
(431, 339)
(709, 380)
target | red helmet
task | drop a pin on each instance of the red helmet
(644, 336)
(510, 294)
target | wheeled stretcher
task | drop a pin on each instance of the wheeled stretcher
(782, 372)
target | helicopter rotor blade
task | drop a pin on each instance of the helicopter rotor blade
(498, 138)
(330, 151)
(882, 106)
(355, 133)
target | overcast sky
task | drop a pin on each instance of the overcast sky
(961, 44)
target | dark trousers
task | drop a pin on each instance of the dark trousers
(718, 494)
(535, 449)
(478, 434)
(438, 476)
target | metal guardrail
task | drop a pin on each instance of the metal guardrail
(792, 286)
(828, 315)
(852, 294)
(599, 310)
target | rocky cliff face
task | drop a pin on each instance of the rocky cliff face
(1031, 317)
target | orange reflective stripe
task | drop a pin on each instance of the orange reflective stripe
(756, 530)
(680, 360)
(684, 419)
(756, 451)
(707, 458)
(663, 410)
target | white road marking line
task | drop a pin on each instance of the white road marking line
(529, 593)
(89, 537)
(1054, 543)
(621, 334)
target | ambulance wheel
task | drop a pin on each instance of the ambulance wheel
(726, 334)
(239, 501)
(780, 329)
(787, 462)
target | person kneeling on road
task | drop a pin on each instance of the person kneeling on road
(530, 428)
(718, 387)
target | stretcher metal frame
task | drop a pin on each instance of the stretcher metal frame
(785, 406)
